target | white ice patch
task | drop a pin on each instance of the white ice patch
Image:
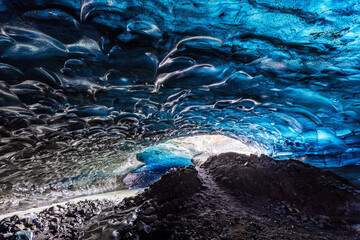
(200, 147)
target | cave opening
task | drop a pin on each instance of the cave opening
(181, 151)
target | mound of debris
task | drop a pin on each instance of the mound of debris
(310, 189)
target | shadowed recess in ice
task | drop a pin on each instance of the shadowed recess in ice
(85, 84)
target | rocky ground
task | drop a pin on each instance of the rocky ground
(56, 222)
(230, 196)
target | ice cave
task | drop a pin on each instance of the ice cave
(179, 119)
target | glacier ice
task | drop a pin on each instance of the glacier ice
(82, 82)
(181, 151)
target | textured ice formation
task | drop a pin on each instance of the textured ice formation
(178, 152)
(84, 83)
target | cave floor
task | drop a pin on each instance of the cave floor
(215, 213)
(191, 203)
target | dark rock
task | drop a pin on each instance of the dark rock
(148, 219)
(142, 227)
(149, 211)
(19, 226)
(135, 237)
(176, 184)
(4, 236)
(124, 228)
(40, 236)
(297, 183)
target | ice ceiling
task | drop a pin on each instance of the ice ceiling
(83, 81)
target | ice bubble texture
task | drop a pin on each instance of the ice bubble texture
(82, 82)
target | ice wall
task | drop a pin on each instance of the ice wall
(82, 80)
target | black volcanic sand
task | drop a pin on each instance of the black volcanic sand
(230, 196)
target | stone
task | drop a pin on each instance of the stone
(5, 235)
(40, 236)
(148, 219)
(142, 227)
(23, 235)
(149, 210)
(20, 226)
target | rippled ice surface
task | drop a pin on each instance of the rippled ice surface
(85, 85)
